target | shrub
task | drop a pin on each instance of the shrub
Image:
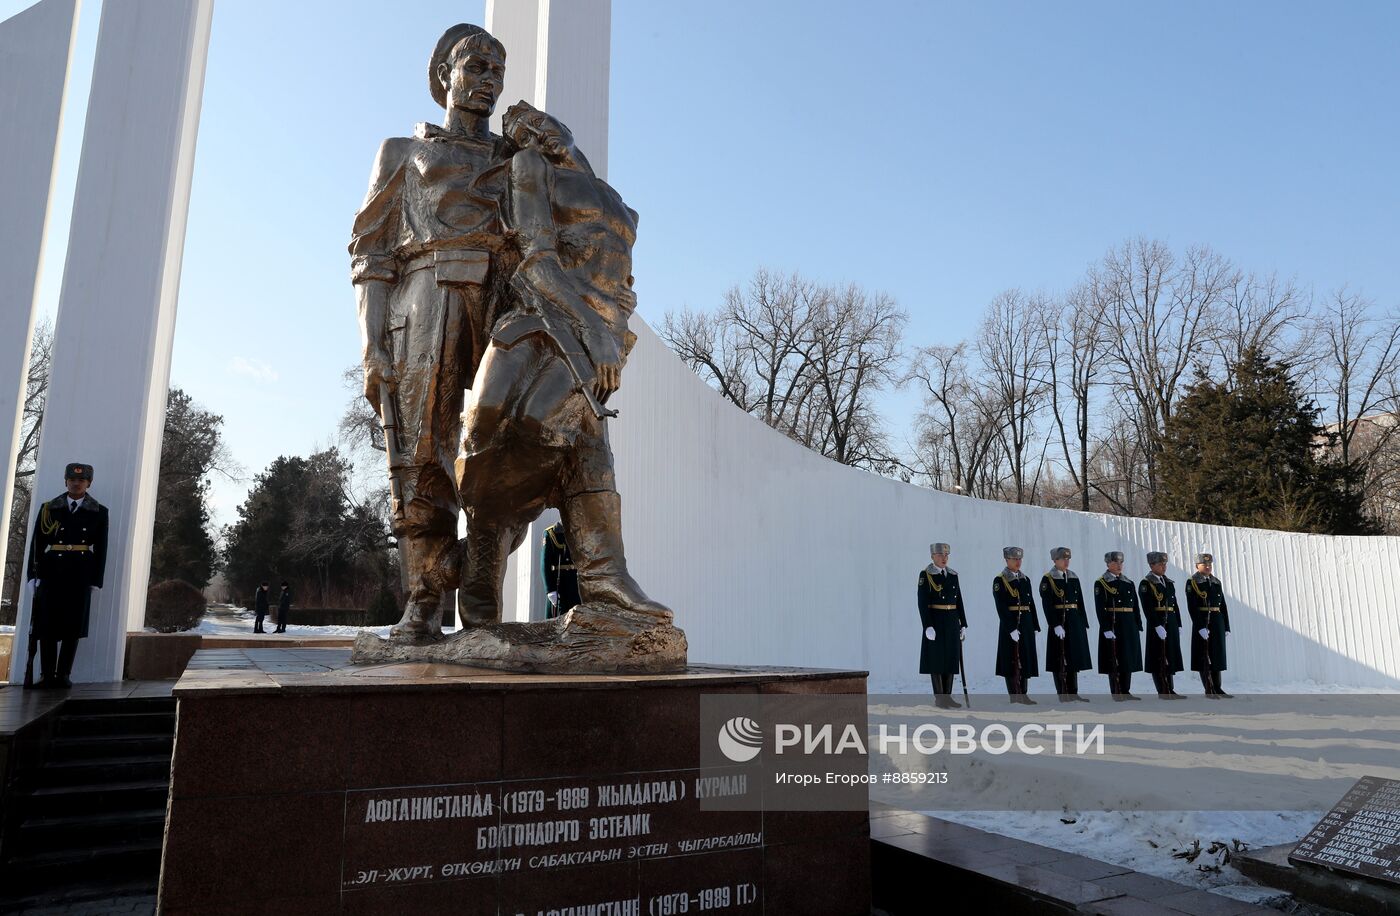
(384, 610)
(173, 605)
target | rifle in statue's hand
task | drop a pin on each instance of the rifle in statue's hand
(389, 420)
(548, 318)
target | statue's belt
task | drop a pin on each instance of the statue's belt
(68, 548)
(454, 266)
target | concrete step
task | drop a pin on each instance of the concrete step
(118, 723)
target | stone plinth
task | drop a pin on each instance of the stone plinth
(302, 784)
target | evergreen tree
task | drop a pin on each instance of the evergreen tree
(1250, 452)
(192, 448)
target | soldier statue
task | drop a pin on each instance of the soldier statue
(1158, 596)
(500, 264)
(1210, 621)
(1067, 645)
(1120, 622)
(67, 558)
(945, 624)
(1017, 626)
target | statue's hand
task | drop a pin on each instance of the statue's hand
(378, 368)
(607, 361)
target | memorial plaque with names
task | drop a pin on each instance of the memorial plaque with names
(1360, 835)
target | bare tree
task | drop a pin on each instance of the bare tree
(26, 454)
(804, 358)
(1163, 313)
(1075, 339)
(1262, 313)
(1012, 347)
(1358, 379)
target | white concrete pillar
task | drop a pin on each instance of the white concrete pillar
(116, 314)
(557, 59)
(35, 48)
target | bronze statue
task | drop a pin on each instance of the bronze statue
(502, 263)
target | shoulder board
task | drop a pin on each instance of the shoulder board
(948, 570)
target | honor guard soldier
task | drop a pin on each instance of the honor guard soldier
(67, 556)
(560, 577)
(1210, 621)
(1018, 624)
(1120, 622)
(945, 624)
(1158, 596)
(1067, 646)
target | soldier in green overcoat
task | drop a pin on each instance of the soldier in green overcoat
(1067, 645)
(1120, 623)
(1210, 621)
(1158, 596)
(945, 623)
(1017, 626)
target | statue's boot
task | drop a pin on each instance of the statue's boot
(593, 526)
(430, 564)
(487, 547)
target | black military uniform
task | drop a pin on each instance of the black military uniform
(67, 558)
(944, 618)
(284, 608)
(1062, 599)
(260, 608)
(557, 568)
(1205, 599)
(1015, 600)
(1115, 601)
(1158, 597)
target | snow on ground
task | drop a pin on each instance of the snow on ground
(230, 620)
(7, 628)
(1147, 840)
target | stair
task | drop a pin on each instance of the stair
(88, 821)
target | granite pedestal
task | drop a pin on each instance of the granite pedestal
(302, 784)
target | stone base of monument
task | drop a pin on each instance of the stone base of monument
(588, 639)
(303, 784)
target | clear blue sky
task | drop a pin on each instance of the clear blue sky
(939, 151)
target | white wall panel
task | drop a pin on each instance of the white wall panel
(771, 554)
(35, 48)
(116, 313)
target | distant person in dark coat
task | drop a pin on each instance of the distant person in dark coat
(260, 608)
(284, 607)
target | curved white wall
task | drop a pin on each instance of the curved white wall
(773, 555)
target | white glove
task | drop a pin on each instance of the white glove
(33, 583)
(1108, 634)
(94, 587)
(1161, 632)
(930, 633)
(962, 633)
(1060, 632)
(553, 597)
(1205, 633)
(1015, 635)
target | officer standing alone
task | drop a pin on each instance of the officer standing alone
(945, 621)
(557, 569)
(67, 557)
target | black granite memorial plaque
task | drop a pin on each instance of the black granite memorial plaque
(1360, 835)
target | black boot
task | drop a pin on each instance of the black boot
(1160, 682)
(66, 654)
(1208, 685)
(948, 692)
(1062, 690)
(48, 664)
(1125, 681)
(1171, 687)
(1220, 691)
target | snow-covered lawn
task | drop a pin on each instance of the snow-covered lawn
(230, 620)
(1147, 841)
